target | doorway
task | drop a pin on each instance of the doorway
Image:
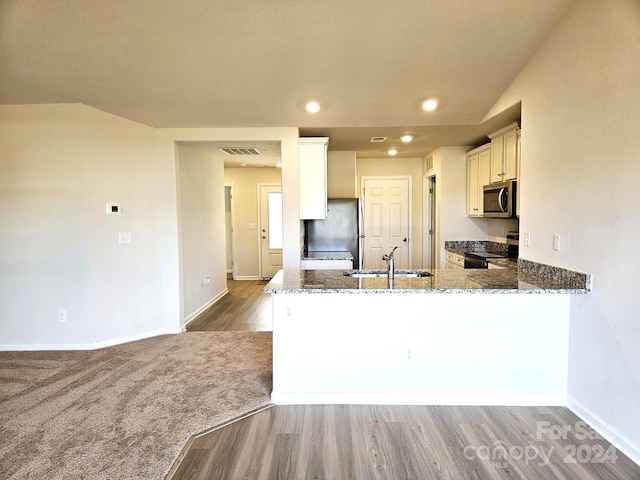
(387, 213)
(430, 223)
(270, 228)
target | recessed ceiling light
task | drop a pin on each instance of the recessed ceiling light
(392, 151)
(430, 105)
(406, 138)
(312, 107)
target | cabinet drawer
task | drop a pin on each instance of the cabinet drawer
(451, 257)
(460, 260)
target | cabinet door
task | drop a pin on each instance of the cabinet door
(497, 158)
(472, 186)
(509, 161)
(312, 159)
(484, 177)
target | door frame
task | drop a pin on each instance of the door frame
(429, 219)
(232, 207)
(409, 179)
(259, 230)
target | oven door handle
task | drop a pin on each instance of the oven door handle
(503, 200)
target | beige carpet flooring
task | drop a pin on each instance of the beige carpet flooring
(125, 412)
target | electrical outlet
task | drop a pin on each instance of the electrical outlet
(527, 239)
(556, 241)
(62, 316)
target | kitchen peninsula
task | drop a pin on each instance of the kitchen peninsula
(471, 337)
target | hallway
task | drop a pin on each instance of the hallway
(244, 309)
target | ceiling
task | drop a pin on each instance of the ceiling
(224, 63)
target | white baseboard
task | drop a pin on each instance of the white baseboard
(249, 277)
(288, 398)
(89, 346)
(603, 428)
(193, 316)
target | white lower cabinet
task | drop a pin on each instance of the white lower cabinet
(455, 261)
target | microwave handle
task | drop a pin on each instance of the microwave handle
(503, 204)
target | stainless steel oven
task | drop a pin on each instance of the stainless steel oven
(479, 259)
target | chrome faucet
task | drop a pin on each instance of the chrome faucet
(390, 265)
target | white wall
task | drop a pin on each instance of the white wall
(61, 165)
(245, 182)
(202, 213)
(580, 171)
(288, 138)
(452, 223)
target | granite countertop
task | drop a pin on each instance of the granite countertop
(443, 281)
(328, 256)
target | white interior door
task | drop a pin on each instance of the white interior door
(270, 229)
(386, 217)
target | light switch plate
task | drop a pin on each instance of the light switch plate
(124, 237)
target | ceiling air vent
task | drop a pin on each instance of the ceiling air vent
(377, 139)
(240, 150)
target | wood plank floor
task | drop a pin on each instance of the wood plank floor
(405, 442)
(244, 308)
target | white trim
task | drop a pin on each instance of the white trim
(207, 305)
(233, 228)
(91, 346)
(260, 226)
(250, 277)
(295, 398)
(603, 428)
(428, 213)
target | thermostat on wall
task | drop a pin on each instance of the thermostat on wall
(113, 209)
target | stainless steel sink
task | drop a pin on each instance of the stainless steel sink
(383, 273)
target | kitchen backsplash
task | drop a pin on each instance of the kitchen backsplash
(475, 245)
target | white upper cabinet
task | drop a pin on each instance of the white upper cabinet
(504, 165)
(478, 175)
(312, 174)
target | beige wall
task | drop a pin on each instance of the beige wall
(580, 177)
(61, 165)
(371, 167)
(245, 183)
(202, 227)
(341, 175)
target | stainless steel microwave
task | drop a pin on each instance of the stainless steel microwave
(500, 200)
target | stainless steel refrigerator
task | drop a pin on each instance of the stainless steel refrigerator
(342, 230)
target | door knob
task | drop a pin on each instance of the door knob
(264, 237)
(404, 239)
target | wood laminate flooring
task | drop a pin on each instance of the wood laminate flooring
(244, 308)
(405, 442)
